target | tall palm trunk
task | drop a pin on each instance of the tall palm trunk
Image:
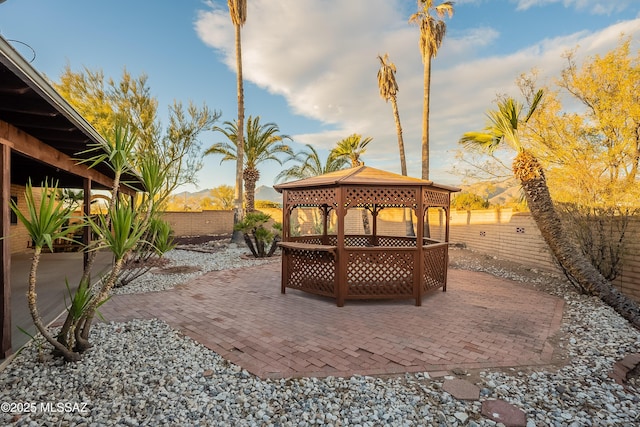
(425, 117)
(238, 213)
(251, 177)
(574, 264)
(406, 213)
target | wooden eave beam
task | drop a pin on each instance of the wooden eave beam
(29, 146)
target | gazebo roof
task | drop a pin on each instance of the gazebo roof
(360, 175)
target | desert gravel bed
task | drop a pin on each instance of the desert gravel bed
(219, 258)
(145, 373)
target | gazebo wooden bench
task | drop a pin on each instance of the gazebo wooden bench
(364, 266)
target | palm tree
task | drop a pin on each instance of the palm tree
(432, 33)
(263, 142)
(352, 147)
(309, 164)
(238, 13)
(505, 125)
(388, 91)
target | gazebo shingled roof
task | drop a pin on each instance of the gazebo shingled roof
(360, 175)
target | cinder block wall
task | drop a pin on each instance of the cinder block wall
(515, 237)
(629, 280)
(200, 223)
(503, 234)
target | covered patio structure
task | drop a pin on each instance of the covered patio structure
(334, 261)
(41, 137)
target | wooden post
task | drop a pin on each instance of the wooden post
(86, 233)
(419, 259)
(5, 252)
(286, 230)
(340, 284)
(446, 239)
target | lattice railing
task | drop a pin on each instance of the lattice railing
(360, 241)
(311, 271)
(384, 196)
(310, 239)
(377, 273)
(409, 242)
(435, 266)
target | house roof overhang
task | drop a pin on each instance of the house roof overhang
(33, 111)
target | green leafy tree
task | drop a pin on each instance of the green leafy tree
(506, 125)
(469, 201)
(593, 173)
(222, 197)
(432, 32)
(263, 142)
(106, 101)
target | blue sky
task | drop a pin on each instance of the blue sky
(310, 65)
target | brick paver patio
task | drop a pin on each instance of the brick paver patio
(480, 322)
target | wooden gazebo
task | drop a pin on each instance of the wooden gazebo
(362, 265)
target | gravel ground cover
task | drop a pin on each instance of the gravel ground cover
(145, 373)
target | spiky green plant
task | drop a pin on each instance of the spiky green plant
(257, 236)
(44, 222)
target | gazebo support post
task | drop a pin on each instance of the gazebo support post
(341, 261)
(286, 232)
(446, 239)
(419, 272)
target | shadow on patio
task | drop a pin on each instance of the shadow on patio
(50, 287)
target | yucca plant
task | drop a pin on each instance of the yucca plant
(76, 307)
(118, 152)
(157, 241)
(119, 232)
(158, 238)
(45, 222)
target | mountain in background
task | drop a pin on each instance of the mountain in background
(497, 193)
(268, 193)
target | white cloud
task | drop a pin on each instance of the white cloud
(596, 7)
(324, 64)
